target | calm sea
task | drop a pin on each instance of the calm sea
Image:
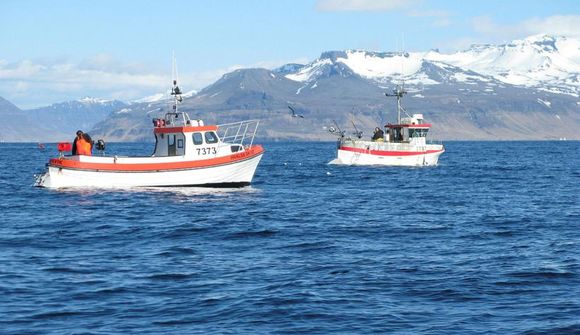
(487, 242)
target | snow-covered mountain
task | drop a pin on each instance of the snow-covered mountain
(550, 63)
(526, 89)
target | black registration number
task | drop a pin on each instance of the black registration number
(206, 151)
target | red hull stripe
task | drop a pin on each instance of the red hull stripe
(165, 130)
(253, 151)
(389, 153)
(422, 125)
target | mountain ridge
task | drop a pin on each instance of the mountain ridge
(466, 95)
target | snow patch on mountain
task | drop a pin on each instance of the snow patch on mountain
(91, 100)
(371, 65)
(309, 71)
(545, 103)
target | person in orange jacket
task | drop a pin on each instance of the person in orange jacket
(82, 144)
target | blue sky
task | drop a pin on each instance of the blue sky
(51, 51)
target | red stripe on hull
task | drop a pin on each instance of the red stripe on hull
(253, 151)
(422, 125)
(389, 153)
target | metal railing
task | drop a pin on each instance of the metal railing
(238, 132)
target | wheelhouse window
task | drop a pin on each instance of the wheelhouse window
(197, 138)
(417, 132)
(211, 137)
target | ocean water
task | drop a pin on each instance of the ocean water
(488, 242)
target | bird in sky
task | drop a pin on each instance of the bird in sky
(293, 113)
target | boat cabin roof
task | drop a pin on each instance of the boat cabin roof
(179, 123)
(419, 126)
(183, 129)
(415, 121)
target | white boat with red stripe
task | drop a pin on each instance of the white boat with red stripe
(401, 144)
(187, 153)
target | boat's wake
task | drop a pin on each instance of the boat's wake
(337, 161)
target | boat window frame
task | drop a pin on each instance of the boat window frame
(200, 138)
(417, 132)
(214, 140)
(171, 145)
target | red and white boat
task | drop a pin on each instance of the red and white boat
(402, 144)
(187, 153)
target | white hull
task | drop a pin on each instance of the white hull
(373, 153)
(237, 173)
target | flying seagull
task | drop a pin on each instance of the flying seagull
(294, 113)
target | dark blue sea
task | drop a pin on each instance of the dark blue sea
(488, 242)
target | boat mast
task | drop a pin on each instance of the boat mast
(175, 91)
(398, 92)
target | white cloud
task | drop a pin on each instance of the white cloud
(488, 30)
(37, 83)
(362, 5)
(442, 16)
(566, 25)
(429, 13)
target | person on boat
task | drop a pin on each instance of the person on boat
(82, 144)
(378, 135)
(90, 141)
(74, 145)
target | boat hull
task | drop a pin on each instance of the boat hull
(231, 174)
(425, 156)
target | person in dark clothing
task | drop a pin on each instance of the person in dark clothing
(74, 146)
(378, 135)
(82, 138)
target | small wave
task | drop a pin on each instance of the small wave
(542, 274)
(336, 161)
(169, 323)
(185, 231)
(250, 234)
(55, 314)
(111, 290)
(177, 251)
(66, 270)
(571, 329)
(170, 276)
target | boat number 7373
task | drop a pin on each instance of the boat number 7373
(206, 151)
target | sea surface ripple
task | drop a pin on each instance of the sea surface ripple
(487, 242)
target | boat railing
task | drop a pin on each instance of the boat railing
(242, 132)
(435, 141)
(177, 119)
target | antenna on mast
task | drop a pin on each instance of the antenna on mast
(175, 91)
(398, 92)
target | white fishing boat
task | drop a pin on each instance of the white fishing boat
(401, 144)
(187, 153)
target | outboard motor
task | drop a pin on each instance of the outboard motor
(100, 145)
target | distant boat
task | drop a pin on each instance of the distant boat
(403, 144)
